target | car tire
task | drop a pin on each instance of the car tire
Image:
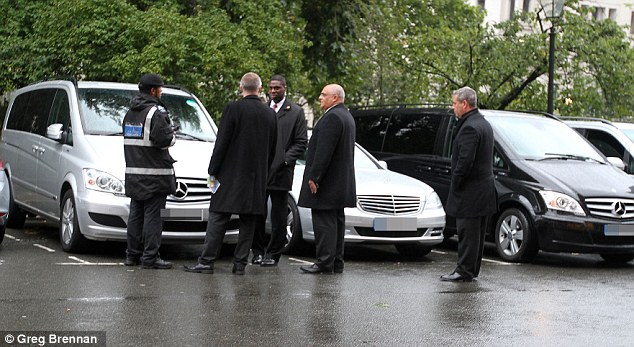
(3, 228)
(17, 216)
(294, 239)
(69, 233)
(617, 258)
(515, 239)
(412, 251)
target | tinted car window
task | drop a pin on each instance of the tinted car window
(412, 133)
(606, 143)
(31, 110)
(371, 130)
(60, 114)
(103, 111)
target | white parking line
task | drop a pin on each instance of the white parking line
(12, 237)
(439, 252)
(498, 262)
(301, 262)
(44, 248)
(83, 262)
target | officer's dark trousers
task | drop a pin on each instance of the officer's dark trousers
(279, 213)
(329, 227)
(471, 233)
(144, 228)
(216, 230)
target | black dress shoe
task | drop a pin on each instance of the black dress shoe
(268, 262)
(257, 259)
(199, 268)
(132, 261)
(238, 269)
(338, 269)
(455, 277)
(314, 269)
(158, 264)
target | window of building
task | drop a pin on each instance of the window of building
(632, 23)
(526, 6)
(612, 14)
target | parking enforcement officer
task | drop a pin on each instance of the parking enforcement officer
(149, 174)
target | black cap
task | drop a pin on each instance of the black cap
(149, 81)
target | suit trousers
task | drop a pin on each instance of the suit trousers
(216, 230)
(329, 227)
(145, 227)
(279, 213)
(471, 232)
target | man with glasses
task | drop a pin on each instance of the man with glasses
(329, 184)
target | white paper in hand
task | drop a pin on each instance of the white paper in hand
(213, 183)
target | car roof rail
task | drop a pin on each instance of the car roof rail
(592, 119)
(401, 105)
(545, 114)
(68, 78)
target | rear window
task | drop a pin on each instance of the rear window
(412, 133)
(30, 111)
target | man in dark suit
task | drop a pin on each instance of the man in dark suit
(291, 144)
(329, 183)
(242, 155)
(472, 196)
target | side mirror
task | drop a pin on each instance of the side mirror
(383, 164)
(616, 161)
(54, 132)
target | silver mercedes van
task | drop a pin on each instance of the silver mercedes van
(62, 149)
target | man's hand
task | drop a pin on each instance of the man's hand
(313, 186)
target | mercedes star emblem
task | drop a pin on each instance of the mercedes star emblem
(618, 208)
(181, 190)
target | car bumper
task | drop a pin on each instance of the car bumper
(104, 216)
(584, 235)
(362, 227)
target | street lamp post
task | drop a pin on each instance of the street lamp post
(552, 10)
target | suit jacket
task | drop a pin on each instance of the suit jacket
(472, 190)
(243, 152)
(292, 140)
(330, 162)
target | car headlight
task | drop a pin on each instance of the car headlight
(561, 202)
(433, 201)
(103, 182)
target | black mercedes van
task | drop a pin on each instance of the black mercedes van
(556, 192)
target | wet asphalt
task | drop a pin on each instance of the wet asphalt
(381, 299)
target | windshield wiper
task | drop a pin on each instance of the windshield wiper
(181, 134)
(558, 156)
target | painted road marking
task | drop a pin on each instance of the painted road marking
(299, 261)
(12, 237)
(84, 263)
(44, 248)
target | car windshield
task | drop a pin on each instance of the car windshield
(103, 111)
(362, 160)
(540, 138)
(629, 133)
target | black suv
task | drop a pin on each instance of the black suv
(556, 192)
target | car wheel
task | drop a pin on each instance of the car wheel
(617, 258)
(412, 251)
(69, 233)
(17, 216)
(3, 228)
(294, 240)
(514, 237)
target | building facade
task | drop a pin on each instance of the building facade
(621, 11)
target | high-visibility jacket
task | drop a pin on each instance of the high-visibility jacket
(148, 133)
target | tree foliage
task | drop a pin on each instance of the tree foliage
(381, 51)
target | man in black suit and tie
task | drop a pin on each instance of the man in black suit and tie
(472, 196)
(292, 140)
(329, 183)
(242, 155)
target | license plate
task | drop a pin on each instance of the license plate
(195, 214)
(395, 224)
(618, 230)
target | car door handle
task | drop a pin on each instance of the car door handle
(423, 168)
(442, 171)
(35, 149)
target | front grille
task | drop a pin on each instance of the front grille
(370, 232)
(190, 190)
(616, 208)
(389, 204)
